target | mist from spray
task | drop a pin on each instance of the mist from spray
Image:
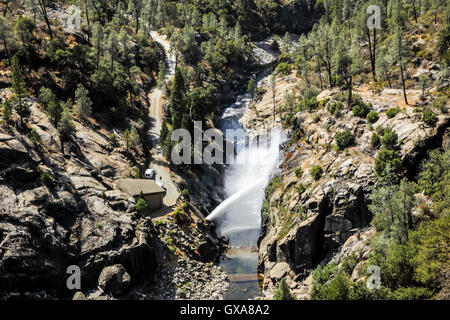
(239, 216)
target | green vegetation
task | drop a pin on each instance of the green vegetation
(309, 101)
(375, 141)
(429, 117)
(300, 188)
(372, 117)
(411, 250)
(283, 68)
(273, 185)
(389, 139)
(344, 139)
(141, 206)
(335, 107)
(386, 161)
(360, 109)
(283, 292)
(298, 172)
(316, 172)
(393, 112)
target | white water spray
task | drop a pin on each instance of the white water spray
(244, 187)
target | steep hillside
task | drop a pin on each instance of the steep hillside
(353, 190)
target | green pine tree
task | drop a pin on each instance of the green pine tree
(283, 292)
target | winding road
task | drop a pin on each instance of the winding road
(156, 113)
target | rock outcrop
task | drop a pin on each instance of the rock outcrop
(300, 228)
(114, 279)
(60, 207)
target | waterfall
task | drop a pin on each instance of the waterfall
(239, 216)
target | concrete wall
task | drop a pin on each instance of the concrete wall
(155, 201)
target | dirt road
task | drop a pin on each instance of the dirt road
(156, 113)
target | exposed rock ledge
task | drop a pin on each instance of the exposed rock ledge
(301, 230)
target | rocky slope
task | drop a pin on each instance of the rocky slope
(300, 229)
(61, 207)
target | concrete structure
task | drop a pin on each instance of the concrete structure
(152, 193)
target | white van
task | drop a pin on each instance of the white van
(150, 174)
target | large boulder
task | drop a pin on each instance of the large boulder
(114, 279)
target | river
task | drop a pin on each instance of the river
(239, 216)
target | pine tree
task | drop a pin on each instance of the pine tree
(19, 88)
(399, 52)
(66, 127)
(49, 100)
(385, 63)
(283, 292)
(178, 100)
(6, 35)
(251, 87)
(83, 105)
(371, 36)
(97, 39)
(40, 6)
(135, 9)
(24, 28)
(111, 46)
(161, 13)
(126, 139)
(163, 133)
(149, 12)
(124, 40)
(344, 64)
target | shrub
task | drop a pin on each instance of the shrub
(349, 264)
(336, 289)
(372, 117)
(375, 141)
(7, 112)
(47, 179)
(361, 110)
(308, 104)
(300, 188)
(283, 68)
(35, 137)
(411, 293)
(387, 158)
(323, 102)
(441, 104)
(298, 172)
(335, 107)
(141, 206)
(389, 140)
(309, 101)
(316, 172)
(392, 112)
(316, 118)
(322, 275)
(429, 117)
(344, 139)
(273, 185)
(185, 194)
(310, 93)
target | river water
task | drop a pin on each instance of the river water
(239, 216)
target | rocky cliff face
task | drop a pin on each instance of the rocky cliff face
(300, 228)
(60, 207)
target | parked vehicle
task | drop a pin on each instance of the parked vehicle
(150, 174)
